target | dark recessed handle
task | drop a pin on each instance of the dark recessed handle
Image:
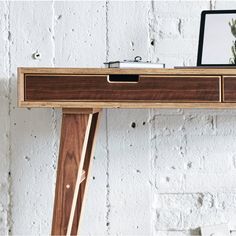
(123, 78)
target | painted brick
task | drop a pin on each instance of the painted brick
(193, 210)
(183, 233)
(32, 134)
(156, 172)
(126, 38)
(128, 168)
(80, 33)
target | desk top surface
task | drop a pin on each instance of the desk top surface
(105, 71)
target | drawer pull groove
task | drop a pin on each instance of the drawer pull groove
(123, 78)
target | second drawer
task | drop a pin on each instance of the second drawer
(229, 88)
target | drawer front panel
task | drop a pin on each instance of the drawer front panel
(229, 88)
(127, 88)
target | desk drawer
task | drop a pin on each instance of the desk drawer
(122, 88)
(229, 88)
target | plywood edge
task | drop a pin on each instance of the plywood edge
(127, 105)
(83, 176)
(162, 71)
(20, 86)
(80, 110)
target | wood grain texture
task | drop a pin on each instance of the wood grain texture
(229, 88)
(97, 88)
(72, 138)
(72, 223)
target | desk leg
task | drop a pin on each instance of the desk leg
(76, 149)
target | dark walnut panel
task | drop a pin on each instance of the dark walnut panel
(140, 88)
(229, 88)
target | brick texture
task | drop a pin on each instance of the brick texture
(155, 172)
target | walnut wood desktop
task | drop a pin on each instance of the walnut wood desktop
(82, 93)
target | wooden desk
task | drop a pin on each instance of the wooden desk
(82, 93)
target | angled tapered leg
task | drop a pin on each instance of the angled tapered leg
(76, 149)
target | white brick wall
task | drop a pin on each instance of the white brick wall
(171, 173)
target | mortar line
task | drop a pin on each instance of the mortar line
(108, 203)
(150, 32)
(194, 193)
(179, 231)
(54, 123)
(151, 50)
(212, 4)
(53, 112)
(53, 33)
(107, 31)
(9, 214)
(152, 174)
(185, 231)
